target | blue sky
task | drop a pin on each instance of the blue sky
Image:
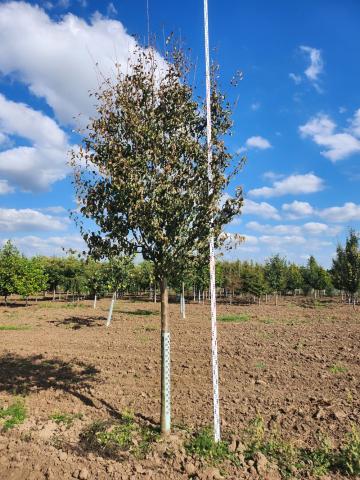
(297, 118)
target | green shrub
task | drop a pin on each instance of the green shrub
(348, 460)
(203, 445)
(234, 318)
(66, 419)
(13, 415)
(111, 438)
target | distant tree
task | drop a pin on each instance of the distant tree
(294, 279)
(10, 260)
(31, 278)
(94, 275)
(253, 280)
(142, 175)
(315, 277)
(275, 273)
(54, 270)
(74, 279)
(345, 270)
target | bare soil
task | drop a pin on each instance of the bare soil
(296, 364)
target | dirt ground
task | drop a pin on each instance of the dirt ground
(296, 364)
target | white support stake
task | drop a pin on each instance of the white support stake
(214, 355)
(183, 302)
(108, 321)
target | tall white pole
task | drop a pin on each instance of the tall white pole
(214, 354)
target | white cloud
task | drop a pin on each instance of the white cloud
(13, 220)
(5, 188)
(111, 10)
(292, 185)
(61, 60)
(258, 142)
(355, 124)
(272, 176)
(255, 106)
(56, 210)
(35, 167)
(3, 138)
(348, 212)
(316, 228)
(296, 78)
(297, 209)
(52, 246)
(310, 228)
(262, 209)
(277, 242)
(321, 129)
(316, 67)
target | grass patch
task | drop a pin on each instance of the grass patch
(267, 321)
(112, 438)
(14, 327)
(298, 462)
(260, 365)
(202, 445)
(337, 369)
(13, 415)
(234, 318)
(66, 419)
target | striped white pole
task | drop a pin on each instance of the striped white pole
(214, 354)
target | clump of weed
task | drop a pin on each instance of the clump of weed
(12, 415)
(111, 438)
(203, 445)
(260, 365)
(66, 419)
(234, 318)
(348, 459)
(318, 461)
(337, 369)
(299, 462)
(14, 327)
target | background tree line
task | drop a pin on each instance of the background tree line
(74, 277)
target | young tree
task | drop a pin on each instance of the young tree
(294, 279)
(10, 260)
(94, 274)
(275, 274)
(119, 272)
(315, 277)
(54, 270)
(31, 278)
(141, 175)
(345, 270)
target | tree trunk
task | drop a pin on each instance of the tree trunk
(54, 293)
(165, 415)
(276, 299)
(155, 293)
(108, 321)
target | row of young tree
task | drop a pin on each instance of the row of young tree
(75, 276)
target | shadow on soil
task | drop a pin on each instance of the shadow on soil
(78, 322)
(140, 313)
(22, 375)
